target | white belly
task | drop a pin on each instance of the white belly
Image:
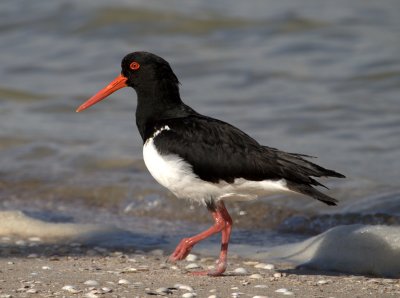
(174, 173)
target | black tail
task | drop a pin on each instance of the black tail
(299, 172)
(307, 167)
(308, 190)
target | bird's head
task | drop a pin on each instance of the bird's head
(141, 71)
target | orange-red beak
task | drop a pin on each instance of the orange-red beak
(118, 83)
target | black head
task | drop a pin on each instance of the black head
(143, 69)
(146, 73)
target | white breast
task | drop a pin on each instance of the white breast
(174, 173)
(167, 170)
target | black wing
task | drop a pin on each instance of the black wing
(219, 151)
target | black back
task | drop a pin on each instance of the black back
(219, 151)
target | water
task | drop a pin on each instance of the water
(320, 78)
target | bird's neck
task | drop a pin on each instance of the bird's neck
(161, 101)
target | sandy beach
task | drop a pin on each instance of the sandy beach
(31, 270)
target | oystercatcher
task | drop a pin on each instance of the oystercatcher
(204, 159)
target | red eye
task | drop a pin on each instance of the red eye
(134, 66)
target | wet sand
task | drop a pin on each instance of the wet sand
(28, 270)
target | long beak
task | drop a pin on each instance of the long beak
(118, 83)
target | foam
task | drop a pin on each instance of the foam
(17, 224)
(356, 249)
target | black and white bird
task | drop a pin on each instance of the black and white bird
(204, 159)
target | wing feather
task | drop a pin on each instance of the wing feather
(219, 151)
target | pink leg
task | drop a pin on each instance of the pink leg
(223, 223)
(226, 234)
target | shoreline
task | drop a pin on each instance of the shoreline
(77, 271)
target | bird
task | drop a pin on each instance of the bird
(204, 159)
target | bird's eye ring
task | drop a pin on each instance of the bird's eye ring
(134, 65)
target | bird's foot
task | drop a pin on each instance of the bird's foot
(217, 271)
(182, 250)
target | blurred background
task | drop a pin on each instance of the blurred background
(315, 77)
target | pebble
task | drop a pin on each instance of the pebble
(211, 267)
(184, 287)
(269, 267)
(281, 290)
(189, 295)
(20, 242)
(323, 282)
(236, 294)
(191, 258)
(46, 268)
(260, 296)
(240, 271)
(106, 290)
(265, 266)
(261, 286)
(277, 274)
(251, 263)
(212, 296)
(143, 268)
(70, 289)
(32, 291)
(129, 270)
(34, 239)
(164, 291)
(137, 284)
(91, 283)
(124, 282)
(284, 291)
(205, 260)
(255, 276)
(192, 266)
(91, 295)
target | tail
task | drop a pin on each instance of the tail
(308, 190)
(305, 167)
(299, 172)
